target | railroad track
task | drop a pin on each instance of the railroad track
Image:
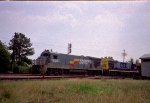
(30, 76)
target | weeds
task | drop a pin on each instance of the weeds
(75, 91)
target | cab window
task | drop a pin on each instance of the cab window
(55, 57)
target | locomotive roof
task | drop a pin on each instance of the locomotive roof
(75, 55)
(50, 52)
(145, 56)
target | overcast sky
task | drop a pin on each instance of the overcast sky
(99, 29)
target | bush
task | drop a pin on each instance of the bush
(24, 69)
(15, 68)
(21, 68)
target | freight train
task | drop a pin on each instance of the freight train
(52, 63)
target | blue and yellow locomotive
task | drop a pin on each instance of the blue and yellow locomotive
(113, 67)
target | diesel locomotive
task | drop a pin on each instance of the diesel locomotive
(52, 63)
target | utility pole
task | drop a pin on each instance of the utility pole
(124, 54)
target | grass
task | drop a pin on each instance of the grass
(75, 91)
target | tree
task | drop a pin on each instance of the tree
(137, 61)
(21, 48)
(4, 58)
(131, 61)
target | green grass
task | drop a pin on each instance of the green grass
(75, 91)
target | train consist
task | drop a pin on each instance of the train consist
(51, 63)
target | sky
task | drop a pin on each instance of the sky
(94, 28)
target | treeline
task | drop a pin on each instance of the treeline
(14, 57)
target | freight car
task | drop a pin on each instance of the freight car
(53, 63)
